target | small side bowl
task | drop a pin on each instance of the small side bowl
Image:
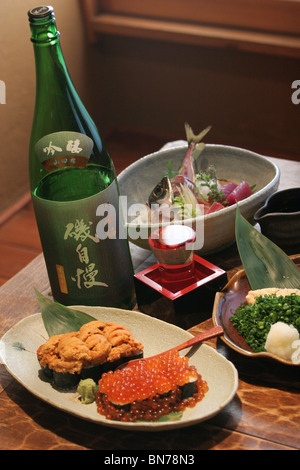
(279, 219)
(225, 304)
(232, 163)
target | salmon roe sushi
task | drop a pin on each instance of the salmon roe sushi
(149, 388)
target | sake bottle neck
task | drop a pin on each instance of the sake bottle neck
(51, 71)
(43, 27)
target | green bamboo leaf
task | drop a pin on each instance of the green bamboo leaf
(59, 319)
(265, 264)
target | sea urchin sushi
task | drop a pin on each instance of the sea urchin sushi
(88, 353)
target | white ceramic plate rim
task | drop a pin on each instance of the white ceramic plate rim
(156, 336)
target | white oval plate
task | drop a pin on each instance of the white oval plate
(156, 335)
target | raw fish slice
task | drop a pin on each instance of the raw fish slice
(179, 181)
(242, 191)
(227, 189)
(216, 206)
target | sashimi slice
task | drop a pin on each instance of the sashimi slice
(242, 191)
(227, 189)
(216, 206)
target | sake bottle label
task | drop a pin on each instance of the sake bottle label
(64, 149)
(86, 249)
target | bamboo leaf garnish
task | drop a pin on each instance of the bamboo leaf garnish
(60, 319)
(265, 264)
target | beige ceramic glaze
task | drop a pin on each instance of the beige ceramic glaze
(138, 180)
(156, 336)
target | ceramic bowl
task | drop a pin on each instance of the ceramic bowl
(138, 180)
(279, 219)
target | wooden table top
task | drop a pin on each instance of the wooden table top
(264, 414)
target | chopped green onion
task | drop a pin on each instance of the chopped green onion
(254, 321)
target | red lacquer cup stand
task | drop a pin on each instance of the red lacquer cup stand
(181, 282)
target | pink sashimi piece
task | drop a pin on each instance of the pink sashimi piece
(206, 208)
(242, 191)
(227, 189)
(180, 180)
(216, 206)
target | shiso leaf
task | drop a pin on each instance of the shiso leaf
(266, 265)
(59, 319)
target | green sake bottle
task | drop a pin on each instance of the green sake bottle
(74, 185)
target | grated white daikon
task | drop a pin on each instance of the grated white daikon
(281, 339)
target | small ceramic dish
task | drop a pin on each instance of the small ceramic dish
(225, 304)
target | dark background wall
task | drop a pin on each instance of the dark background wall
(156, 86)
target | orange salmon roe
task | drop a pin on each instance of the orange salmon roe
(148, 388)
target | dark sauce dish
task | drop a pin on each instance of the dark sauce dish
(279, 219)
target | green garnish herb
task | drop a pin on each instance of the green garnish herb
(184, 209)
(253, 322)
(170, 173)
(210, 180)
